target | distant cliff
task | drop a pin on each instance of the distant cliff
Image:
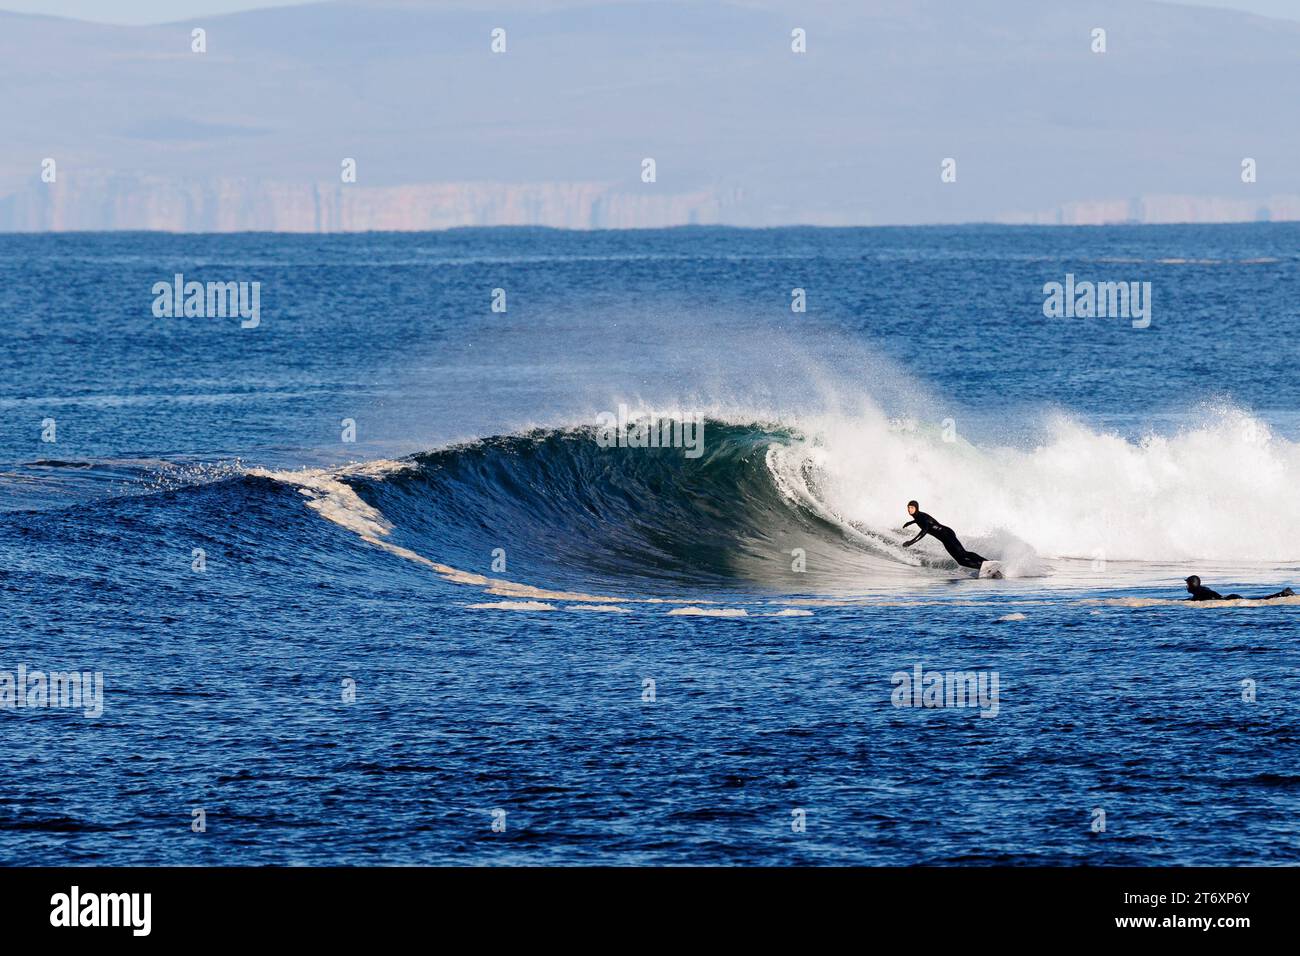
(1163, 209)
(105, 201)
(94, 201)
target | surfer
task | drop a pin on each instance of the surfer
(1200, 593)
(946, 536)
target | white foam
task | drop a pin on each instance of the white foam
(332, 499)
(1225, 490)
(708, 612)
(512, 606)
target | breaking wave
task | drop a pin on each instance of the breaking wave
(816, 507)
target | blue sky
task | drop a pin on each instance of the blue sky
(164, 11)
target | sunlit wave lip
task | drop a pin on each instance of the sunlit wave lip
(333, 499)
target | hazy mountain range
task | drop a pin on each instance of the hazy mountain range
(251, 134)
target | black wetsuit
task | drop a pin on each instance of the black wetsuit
(1205, 594)
(947, 537)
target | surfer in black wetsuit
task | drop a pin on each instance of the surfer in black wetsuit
(945, 535)
(1200, 593)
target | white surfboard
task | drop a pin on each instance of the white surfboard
(991, 569)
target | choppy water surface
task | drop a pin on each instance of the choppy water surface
(358, 651)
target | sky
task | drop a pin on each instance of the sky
(167, 11)
(138, 11)
(399, 114)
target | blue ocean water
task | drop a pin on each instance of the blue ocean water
(365, 585)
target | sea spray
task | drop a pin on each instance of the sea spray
(1079, 491)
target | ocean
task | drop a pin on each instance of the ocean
(380, 570)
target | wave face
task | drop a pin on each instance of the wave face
(567, 511)
(819, 508)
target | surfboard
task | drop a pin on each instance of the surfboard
(991, 569)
